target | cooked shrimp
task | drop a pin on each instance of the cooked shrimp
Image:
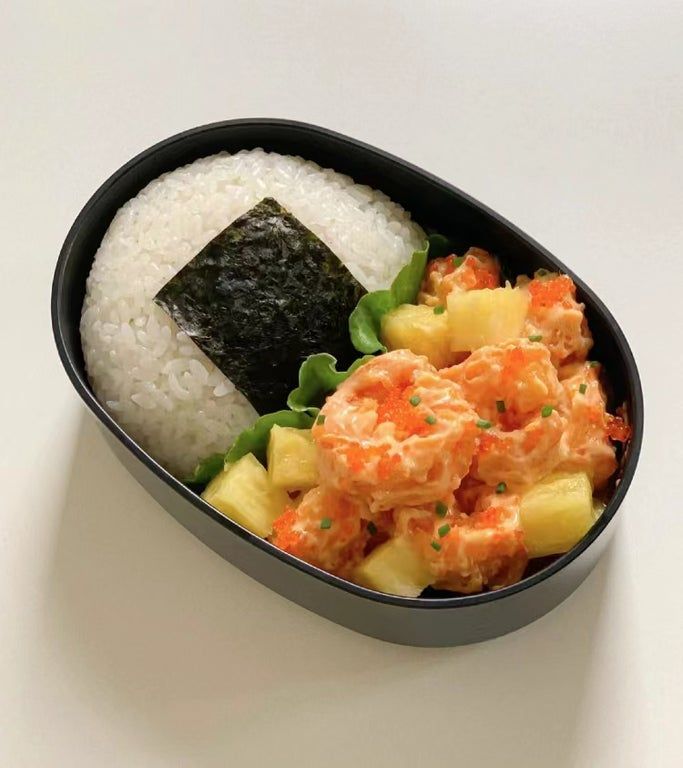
(586, 442)
(324, 529)
(515, 390)
(395, 432)
(467, 553)
(476, 269)
(556, 317)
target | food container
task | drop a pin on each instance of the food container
(437, 206)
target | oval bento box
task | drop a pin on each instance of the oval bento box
(437, 206)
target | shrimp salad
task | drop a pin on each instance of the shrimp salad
(473, 437)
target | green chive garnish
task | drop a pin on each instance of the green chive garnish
(415, 400)
(444, 530)
(484, 424)
(536, 337)
(500, 406)
(457, 261)
(583, 388)
(541, 272)
(436, 546)
(441, 509)
(546, 411)
(372, 528)
(321, 418)
(501, 488)
(431, 419)
(593, 363)
(439, 310)
(325, 523)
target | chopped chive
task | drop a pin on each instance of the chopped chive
(593, 363)
(372, 528)
(484, 424)
(320, 419)
(500, 406)
(415, 400)
(541, 272)
(444, 530)
(457, 261)
(536, 337)
(431, 419)
(441, 509)
(501, 488)
(436, 546)
(439, 310)
(325, 523)
(583, 388)
(546, 411)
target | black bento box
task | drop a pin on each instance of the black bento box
(436, 205)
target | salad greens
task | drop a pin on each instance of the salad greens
(318, 376)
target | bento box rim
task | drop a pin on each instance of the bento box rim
(59, 296)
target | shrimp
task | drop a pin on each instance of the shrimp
(395, 432)
(586, 442)
(476, 269)
(515, 390)
(324, 529)
(469, 552)
(556, 316)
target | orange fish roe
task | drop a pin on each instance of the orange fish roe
(514, 363)
(358, 455)
(476, 275)
(284, 536)
(617, 429)
(554, 290)
(396, 408)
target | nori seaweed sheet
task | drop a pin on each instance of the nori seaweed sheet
(260, 297)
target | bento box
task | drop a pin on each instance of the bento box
(437, 619)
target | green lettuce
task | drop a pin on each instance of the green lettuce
(365, 322)
(318, 376)
(206, 470)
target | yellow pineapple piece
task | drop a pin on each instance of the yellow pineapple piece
(488, 316)
(395, 567)
(244, 493)
(418, 328)
(556, 513)
(292, 461)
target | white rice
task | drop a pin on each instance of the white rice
(153, 380)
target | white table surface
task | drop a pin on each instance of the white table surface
(126, 642)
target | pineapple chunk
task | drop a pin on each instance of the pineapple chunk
(417, 328)
(488, 316)
(244, 493)
(556, 513)
(395, 567)
(292, 458)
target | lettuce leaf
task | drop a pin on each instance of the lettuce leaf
(206, 470)
(318, 376)
(255, 439)
(365, 322)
